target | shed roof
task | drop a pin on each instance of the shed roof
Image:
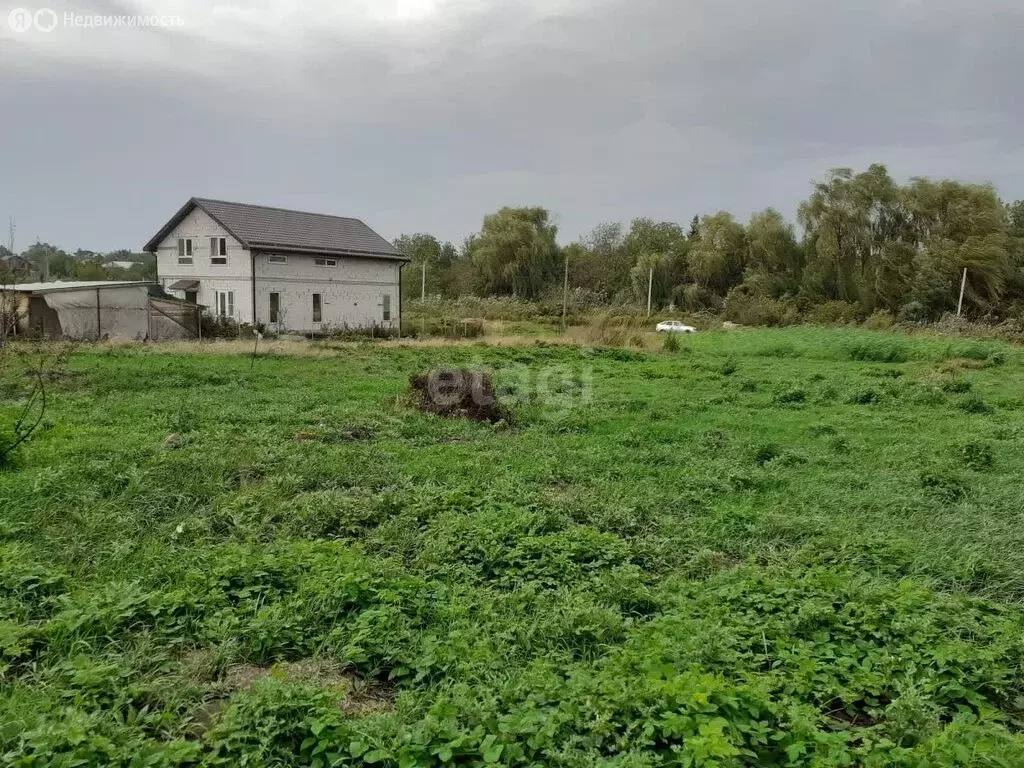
(74, 285)
(260, 227)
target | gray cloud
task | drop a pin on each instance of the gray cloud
(424, 116)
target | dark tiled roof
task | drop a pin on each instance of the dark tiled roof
(263, 228)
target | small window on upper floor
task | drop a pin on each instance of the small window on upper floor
(218, 250)
(184, 250)
(326, 262)
(277, 259)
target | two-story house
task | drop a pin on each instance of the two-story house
(288, 270)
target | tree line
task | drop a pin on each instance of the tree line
(861, 244)
(45, 261)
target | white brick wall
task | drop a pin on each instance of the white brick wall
(233, 276)
(352, 293)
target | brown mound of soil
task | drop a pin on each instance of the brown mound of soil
(458, 394)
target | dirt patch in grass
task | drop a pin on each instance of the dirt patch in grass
(457, 394)
(357, 697)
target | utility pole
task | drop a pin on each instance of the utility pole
(46, 262)
(963, 285)
(565, 292)
(650, 289)
(423, 283)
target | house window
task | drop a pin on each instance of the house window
(224, 303)
(386, 305)
(326, 262)
(275, 307)
(184, 250)
(277, 259)
(218, 250)
(317, 308)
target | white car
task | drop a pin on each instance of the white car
(674, 326)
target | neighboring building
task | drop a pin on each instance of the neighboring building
(100, 309)
(285, 269)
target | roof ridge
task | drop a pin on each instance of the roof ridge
(277, 208)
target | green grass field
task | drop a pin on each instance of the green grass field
(796, 547)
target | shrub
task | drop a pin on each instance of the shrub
(217, 327)
(448, 328)
(914, 312)
(697, 298)
(969, 351)
(880, 320)
(671, 343)
(974, 405)
(749, 309)
(791, 397)
(835, 313)
(879, 351)
(613, 329)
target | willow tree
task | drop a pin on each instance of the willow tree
(956, 227)
(775, 260)
(516, 252)
(717, 256)
(857, 236)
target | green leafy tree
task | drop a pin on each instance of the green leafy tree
(836, 222)
(957, 226)
(600, 263)
(516, 252)
(48, 258)
(718, 256)
(775, 260)
(90, 270)
(1015, 244)
(438, 258)
(653, 270)
(661, 246)
(903, 249)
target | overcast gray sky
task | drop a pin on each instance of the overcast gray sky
(424, 115)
